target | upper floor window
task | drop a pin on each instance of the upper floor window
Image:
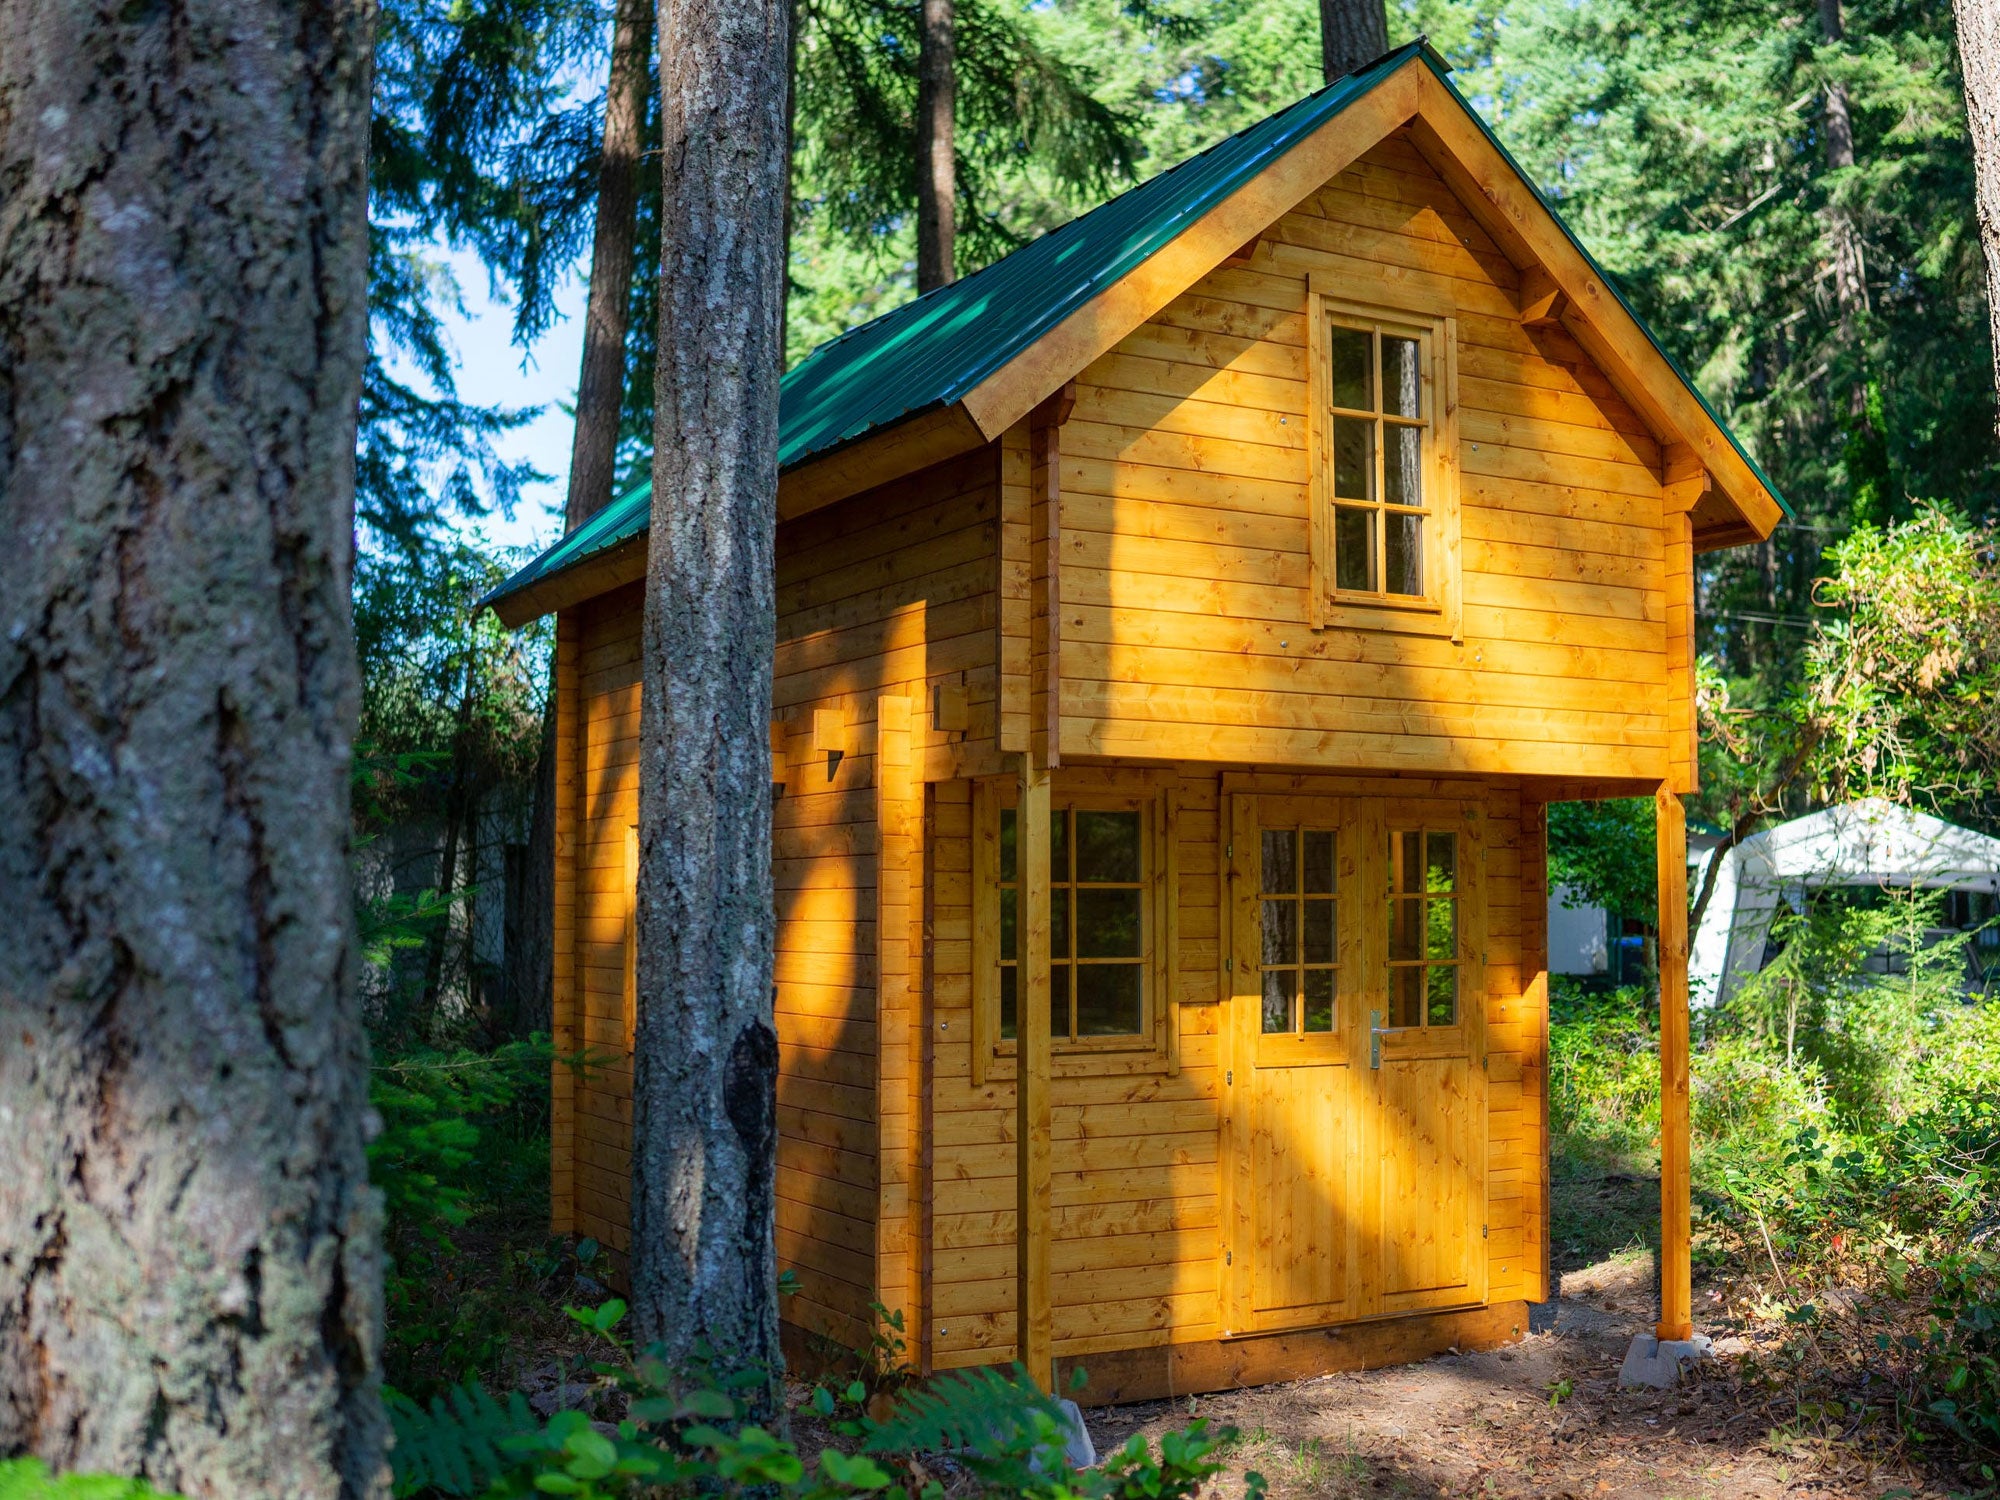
(1385, 511)
(1381, 443)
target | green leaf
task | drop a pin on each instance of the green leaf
(857, 1473)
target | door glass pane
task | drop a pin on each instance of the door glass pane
(1059, 923)
(1443, 995)
(1441, 856)
(1281, 871)
(1354, 549)
(1107, 999)
(1006, 843)
(1107, 923)
(1281, 932)
(1406, 855)
(1403, 544)
(1278, 999)
(1059, 1000)
(1107, 845)
(1059, 845)
(1402, 377)
(1352, 377)
(1406, 929)
(1354, 458)
(1319, 1000)
(1318, 862)
(1010, 934)
(1441, 931)
(1317, 934)
(1403, 465)
(1009, 980)
(1406, 996)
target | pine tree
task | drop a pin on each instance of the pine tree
(705, 1065)
(190, 1280)
(1979, 52)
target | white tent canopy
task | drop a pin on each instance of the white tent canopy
(1870, 842)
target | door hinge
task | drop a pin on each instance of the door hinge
(1229, 1078)
(1482, 1231)
(1229, 851)
(1229, 1257)
(1226, 966)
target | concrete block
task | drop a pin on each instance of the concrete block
(1660, 1365)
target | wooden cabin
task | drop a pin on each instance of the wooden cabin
(1184, 624)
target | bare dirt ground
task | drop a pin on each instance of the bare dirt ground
(1545, 1417)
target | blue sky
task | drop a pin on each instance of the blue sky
(491, 370)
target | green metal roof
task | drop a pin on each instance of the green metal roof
(932, 352)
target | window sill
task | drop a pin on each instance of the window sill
(1124, 1057)
(1417, 617)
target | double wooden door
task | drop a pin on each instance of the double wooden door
(1355, 1083)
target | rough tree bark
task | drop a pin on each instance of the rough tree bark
(704, 1130)
(1979, 61)
(1351, 32)
(190, 1285)
(937, 175)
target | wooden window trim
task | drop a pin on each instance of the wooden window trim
(1152, 1049)
(1405, 310)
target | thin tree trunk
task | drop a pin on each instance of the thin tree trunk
(705, 1073)
(937, 180)
(530, 986)
(1979, 62)
(1850, 278)
(190, 1279)
(1351, 33)
(600, 391)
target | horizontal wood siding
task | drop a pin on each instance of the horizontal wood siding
(1136, 1192)
(889, 593)
(1184, 525)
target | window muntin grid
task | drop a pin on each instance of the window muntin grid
(1299, 917)
(1423, 899)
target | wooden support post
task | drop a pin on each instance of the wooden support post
(898, 806)
(1045, 482)
(1034, 1316)
(566, 1013)
(1676, 1291)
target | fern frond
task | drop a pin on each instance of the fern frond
(979, 1412)
(457, 1446)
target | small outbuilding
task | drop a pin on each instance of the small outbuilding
(1183, 626)
(1867, 843)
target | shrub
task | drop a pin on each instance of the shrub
(686, 1433)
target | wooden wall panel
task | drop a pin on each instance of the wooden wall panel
(1184, 525)
(1136, 1172)
(882, 599)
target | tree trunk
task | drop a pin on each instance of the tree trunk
(530, 942)
(705, 1072)
(937, 180)
(1850, 278)
(1979, 61)
(190, 1280)
(600, 391)
(1351, 33)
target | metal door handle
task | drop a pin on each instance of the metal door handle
(1375, 1029)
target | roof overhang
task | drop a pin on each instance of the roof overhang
(1565, 293)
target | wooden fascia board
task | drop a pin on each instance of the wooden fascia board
(1010, 393)
(888, 453)
(876, 459)
(1514, 214)
(610, 569)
